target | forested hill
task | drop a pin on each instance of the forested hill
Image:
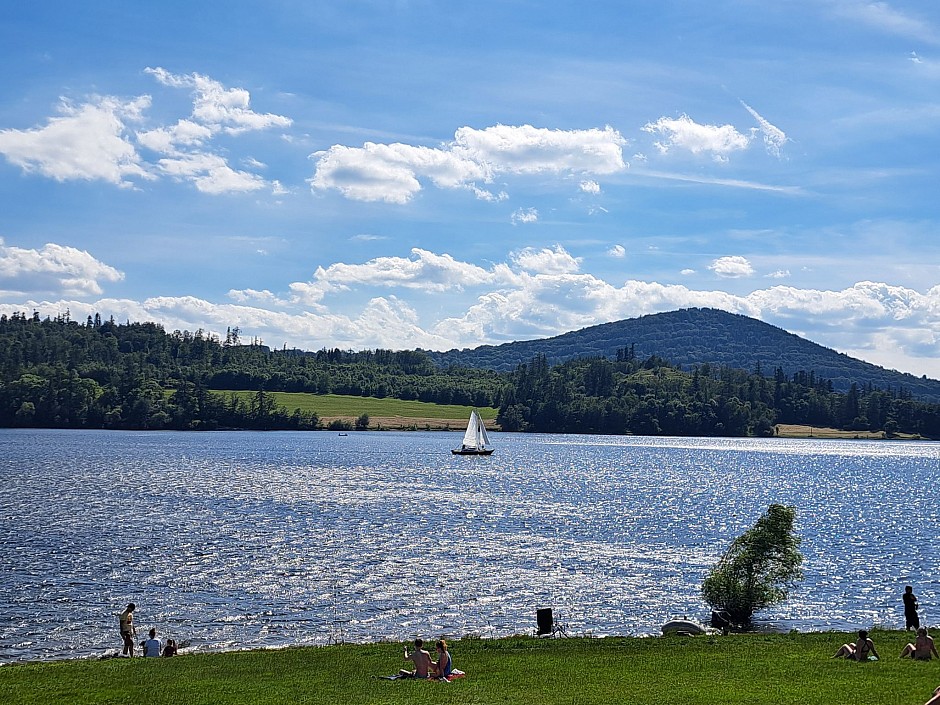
(696, 336)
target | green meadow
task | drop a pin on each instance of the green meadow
(787, 669)
(339, 405)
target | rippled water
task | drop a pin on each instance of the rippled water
(237, 540)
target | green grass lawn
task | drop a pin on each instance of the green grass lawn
(754, 669)
(351, 406)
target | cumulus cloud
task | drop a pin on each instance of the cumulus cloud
(546, 260)
(424, 271)
(779, 274)
(217, 107)
(684, 133)
(210, 173)
(590, 186)
(524, 216)
(732, 267)
(95, 140)
(87, 142)
(535, 293)
(393, 173)
(617, 251)
(54, 270)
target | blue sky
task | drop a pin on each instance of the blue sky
(427, 174)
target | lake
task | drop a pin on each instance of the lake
(233, 540)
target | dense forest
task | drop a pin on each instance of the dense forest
(695, 336)
(652, 397)
(99, 374)
(56, 372)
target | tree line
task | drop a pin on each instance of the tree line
(57, 372)
(653, 397)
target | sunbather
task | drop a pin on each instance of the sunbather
(923, 647)
(421, 660)
(443, 666)
(862, 650)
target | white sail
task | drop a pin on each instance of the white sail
(471, 439)
(475, 440)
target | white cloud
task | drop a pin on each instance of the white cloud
(88, 142)
(732, 267)
(774, 137)
(687, 272)
(379, 172)
(52, 269)
(217, 107)
(210, 173)
(684, 133)
(524, 216)
(546, 261)
(392, 172)
(590, 186)
(531, 150)
(617, 251)
(425, 271)
(779, 274)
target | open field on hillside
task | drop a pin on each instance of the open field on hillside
(755, 669)
(385, 413)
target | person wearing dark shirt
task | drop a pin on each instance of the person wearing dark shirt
(911, 620)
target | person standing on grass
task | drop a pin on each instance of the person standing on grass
(126, 624)
(911, 620)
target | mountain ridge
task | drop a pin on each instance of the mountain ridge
(693, 337)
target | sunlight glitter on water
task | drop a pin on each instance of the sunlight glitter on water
(245, 540)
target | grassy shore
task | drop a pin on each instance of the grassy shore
(751, 668)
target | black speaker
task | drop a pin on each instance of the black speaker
(543, 618)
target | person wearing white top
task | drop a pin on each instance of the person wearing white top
(152, 645)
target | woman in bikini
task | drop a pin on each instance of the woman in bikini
(861, 650)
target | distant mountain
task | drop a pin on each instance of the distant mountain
(697, 336)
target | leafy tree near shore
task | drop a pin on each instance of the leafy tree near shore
(758, 568)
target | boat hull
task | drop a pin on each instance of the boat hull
(461, 451)
(683, 626)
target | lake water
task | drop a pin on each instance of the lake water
(245, 540)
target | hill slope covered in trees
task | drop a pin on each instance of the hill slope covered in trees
(698, 336)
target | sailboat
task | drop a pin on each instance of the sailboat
(475, 440)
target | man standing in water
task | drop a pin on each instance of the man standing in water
(912, 621)
(126, 622)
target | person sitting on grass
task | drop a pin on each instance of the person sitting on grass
(170, 648)
(935, 700)
(421, 660)
(862, 650)
(923, 647)
(443, 666)
(152, 645)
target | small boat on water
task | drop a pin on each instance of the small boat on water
(683, 626)
(475, 440)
